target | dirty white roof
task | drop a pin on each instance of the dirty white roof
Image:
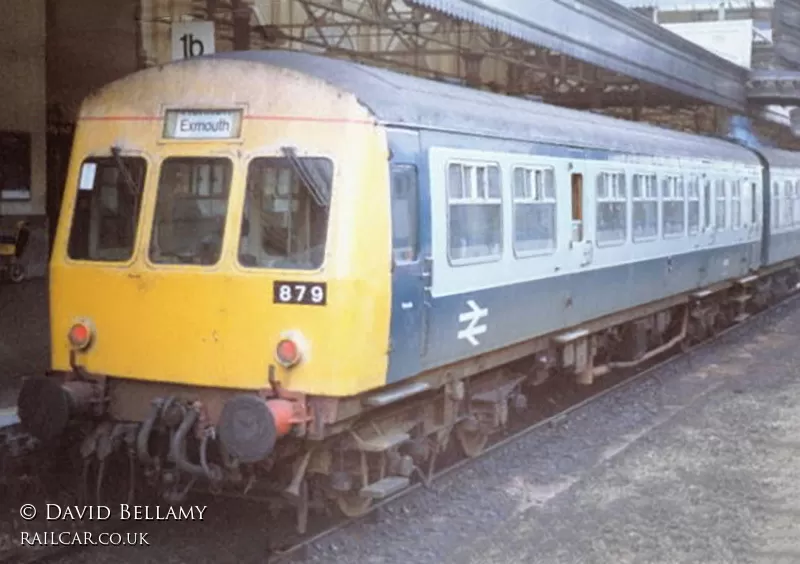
(409, 101)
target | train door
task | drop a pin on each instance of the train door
(753, 222)
(766, 213)
(581, 237)
(409, 304)
(709, 227)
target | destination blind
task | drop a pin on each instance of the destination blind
(182, 124)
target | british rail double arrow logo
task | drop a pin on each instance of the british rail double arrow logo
(473, 316)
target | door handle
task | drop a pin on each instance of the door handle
(427, 273)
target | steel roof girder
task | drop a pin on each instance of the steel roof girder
(774, 87)
(606, 34)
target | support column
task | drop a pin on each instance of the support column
(23, 126)
(720, 121)
(241, 25)
(472, 72)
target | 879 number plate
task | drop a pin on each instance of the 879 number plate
(304, 293)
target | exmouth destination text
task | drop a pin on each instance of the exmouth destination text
(194, 126)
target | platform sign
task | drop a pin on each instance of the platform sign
(192, 39)
(729, 39)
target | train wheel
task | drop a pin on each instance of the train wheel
(353, 505)
(472, 441)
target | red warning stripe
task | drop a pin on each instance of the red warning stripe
(250, 117)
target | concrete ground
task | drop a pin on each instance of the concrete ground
(717, 482)
(24, 335)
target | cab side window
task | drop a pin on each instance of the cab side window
(405, 242)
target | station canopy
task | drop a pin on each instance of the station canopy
(697, 5)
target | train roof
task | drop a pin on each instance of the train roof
(396, 98)
(780, 158)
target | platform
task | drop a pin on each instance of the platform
(24, 335)
(718, 482)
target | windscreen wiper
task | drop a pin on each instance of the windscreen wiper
(317, 192)
(126, 175)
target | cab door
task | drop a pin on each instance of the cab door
(409, 305)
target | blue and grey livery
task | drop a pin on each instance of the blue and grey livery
(628, 213)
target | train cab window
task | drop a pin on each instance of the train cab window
(612, 209)
(404, 213)
(475, 209)
(775, 212)
(736, 204)
(286, 212)
(788, 199)
(693, 196)
(191, 207)
(534, 203)
(720, 204)
(645, 207)
(673, 198)
(107, 208)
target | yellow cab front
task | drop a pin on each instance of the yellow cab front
(207, 234)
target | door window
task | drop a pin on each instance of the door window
(405, 241)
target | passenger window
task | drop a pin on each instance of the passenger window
(286, 212)
(534, 210)
(753, 203)
(404, 213)
(612, 208)
(776, 205)
(720, 215)
(788, 199)
(107, 209)
(736, 204)
(694, 206)
(707, 203)
(673, 202)
(475, 211)
(645, 207)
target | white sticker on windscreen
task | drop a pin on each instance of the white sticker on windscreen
(88, 172)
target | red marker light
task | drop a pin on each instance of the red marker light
(287, 353)
(79, 336)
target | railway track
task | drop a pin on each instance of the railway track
(561, 405)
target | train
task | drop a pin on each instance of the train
(287, 269)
